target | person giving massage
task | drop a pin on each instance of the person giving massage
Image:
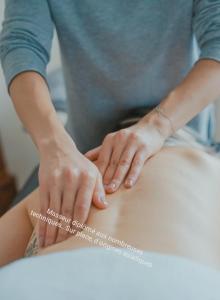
(116, 56)
(173, 208)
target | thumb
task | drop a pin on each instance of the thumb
(99, 197)
(93, 154)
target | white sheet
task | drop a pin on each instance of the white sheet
(101, 274)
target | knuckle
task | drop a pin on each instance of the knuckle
(138, 163)
(55, 177)
(66, 211)
(144, 148)
(121, 134)
(124, 162)
(84, 173)
(81, 208)
(133, 136)
(113, 162)
(109, 136)
(88, 175)
(70, 173)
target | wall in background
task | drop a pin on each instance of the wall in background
(218, 119)
(20, 153)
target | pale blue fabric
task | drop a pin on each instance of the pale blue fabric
(116, 55)
(97, 274)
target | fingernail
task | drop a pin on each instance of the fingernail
(112, 186)
(103, 200)
(129, 182)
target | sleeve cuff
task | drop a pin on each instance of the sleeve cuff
(210, 52)
(21, 60)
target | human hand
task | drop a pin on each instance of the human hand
(68, 183)
(123, 153)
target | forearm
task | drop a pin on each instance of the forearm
(199, 88)
(32, 102)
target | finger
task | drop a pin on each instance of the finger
(105, 154)
(84, 198)
(54, 205)
(99, 198)
(123, 166)
(69, 194)
(136, 167)
(119, 146)
(93, 154)
(44, 204)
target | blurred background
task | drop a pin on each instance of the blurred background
(19, 151)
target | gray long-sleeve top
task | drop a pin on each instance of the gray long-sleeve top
(116, 55)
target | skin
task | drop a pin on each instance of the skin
(123, 154)
(172, 209)
(69, 182)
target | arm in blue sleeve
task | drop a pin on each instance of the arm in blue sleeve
(206, 25)
(26, 37)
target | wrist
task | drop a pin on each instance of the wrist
(58, 144)
(53, 137)
(160, 122)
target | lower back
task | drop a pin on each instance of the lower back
(173, 208)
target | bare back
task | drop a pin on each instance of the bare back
(174, 208)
